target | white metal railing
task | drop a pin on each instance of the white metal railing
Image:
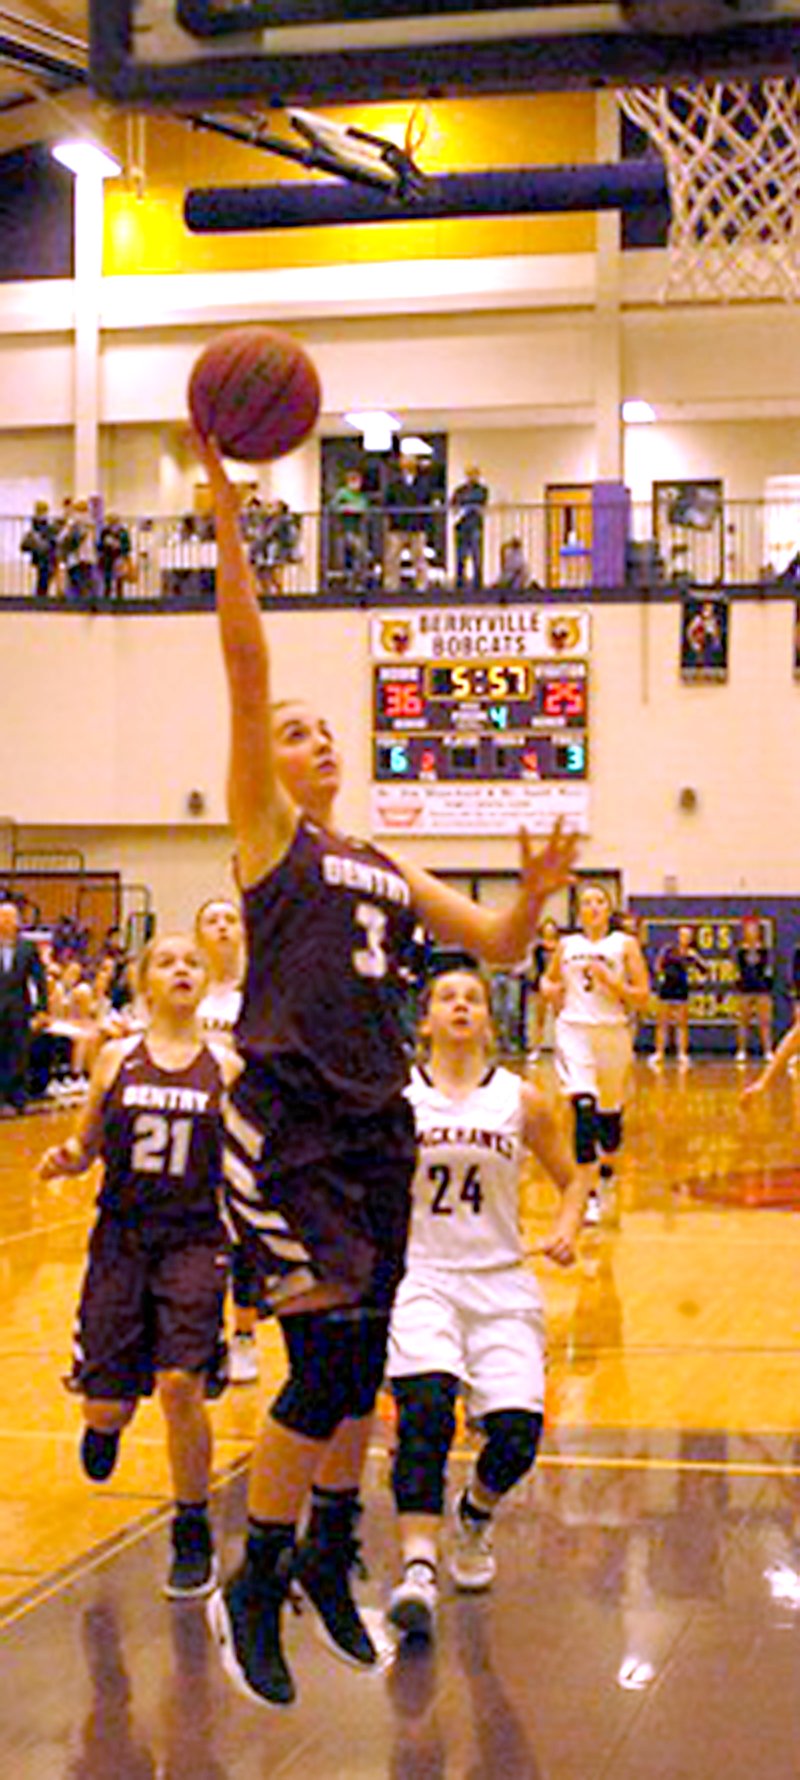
(747, 543)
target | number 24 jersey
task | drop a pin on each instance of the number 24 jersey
(466, 1185)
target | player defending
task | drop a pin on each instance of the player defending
(151, 1304)
(320, 1139)
(468, 1314)
(595, 982)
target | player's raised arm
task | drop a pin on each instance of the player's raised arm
(260, 813)
(501, 936)
(81, 1149)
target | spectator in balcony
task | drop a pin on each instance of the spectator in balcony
(515, 575)
(39, 542)
(408, 500)
(114, 555)
(23, 1005)
(78, 550)
(468, 501)
(349, 507)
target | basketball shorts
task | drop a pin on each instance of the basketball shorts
(485, 1328)
(341, 1215)
(594, 1060)
(146, 1308)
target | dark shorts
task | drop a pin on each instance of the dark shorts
(674, 997)
(146, 1308)
(339, 1216)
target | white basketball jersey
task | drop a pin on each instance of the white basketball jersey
(466, 1185)
(219, 1011)
(584, 1000)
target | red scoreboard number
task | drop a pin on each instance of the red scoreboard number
(401, 698)
(563, 698)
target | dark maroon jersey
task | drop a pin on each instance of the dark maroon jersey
(327, 931)
(162, 1143)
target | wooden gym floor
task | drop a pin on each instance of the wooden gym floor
(645, 1620)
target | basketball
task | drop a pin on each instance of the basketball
(257, 391)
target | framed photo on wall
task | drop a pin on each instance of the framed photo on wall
(704, 638)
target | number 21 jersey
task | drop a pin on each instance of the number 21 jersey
(466, 1185)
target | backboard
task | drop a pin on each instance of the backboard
(184, 53)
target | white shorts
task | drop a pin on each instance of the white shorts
(485, 1328)
(594, 1060)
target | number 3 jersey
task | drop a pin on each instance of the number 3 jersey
(327, 931)
(466, 1185)
(162, 1144)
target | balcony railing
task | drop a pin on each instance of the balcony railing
(748, 544)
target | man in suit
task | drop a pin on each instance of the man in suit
(23, 997)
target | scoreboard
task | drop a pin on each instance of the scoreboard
(468, 743)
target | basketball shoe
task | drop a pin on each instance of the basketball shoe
(193, 1571)
(472, 1560)
(413, 1603)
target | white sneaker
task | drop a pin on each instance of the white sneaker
(413, 1603)
(768, 1055)
(472, 1561)
(655, 1061)
(593, 1208)
(741, 1057)
(684, 1062)
(242, 1360)
(534, 1054)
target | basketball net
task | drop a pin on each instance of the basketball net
(732, 155)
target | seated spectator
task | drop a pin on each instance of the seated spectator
(114, 555)
(515, 575)
(39, 542)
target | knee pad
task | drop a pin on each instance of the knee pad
(584, 1107)
(336, 1360)
(510, 1450)
(609, 1131)
(426, 1423)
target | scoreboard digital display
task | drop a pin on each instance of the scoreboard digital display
(488, 720)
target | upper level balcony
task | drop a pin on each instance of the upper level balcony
(555, 549)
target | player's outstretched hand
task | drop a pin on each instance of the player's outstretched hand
(551, 868)
(54, 1163)
(561, 1243)
(208, 451)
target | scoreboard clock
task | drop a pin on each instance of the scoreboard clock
(481, 743)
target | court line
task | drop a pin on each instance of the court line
(63, 1579)
(41, 1230)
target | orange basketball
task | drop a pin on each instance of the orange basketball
(257, 391)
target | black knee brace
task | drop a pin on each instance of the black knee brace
(512, 1437)
(426, 1423)
(609, 1131)
(336, 1360)
(584, 1107)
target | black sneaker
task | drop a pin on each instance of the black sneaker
(193, 1570)
(99, 1451)
(244, 1618)
(322, 1567)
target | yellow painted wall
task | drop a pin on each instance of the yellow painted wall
(147, 234)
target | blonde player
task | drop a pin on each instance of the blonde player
(595, 982)
(150, 1314)
(468, 1315)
